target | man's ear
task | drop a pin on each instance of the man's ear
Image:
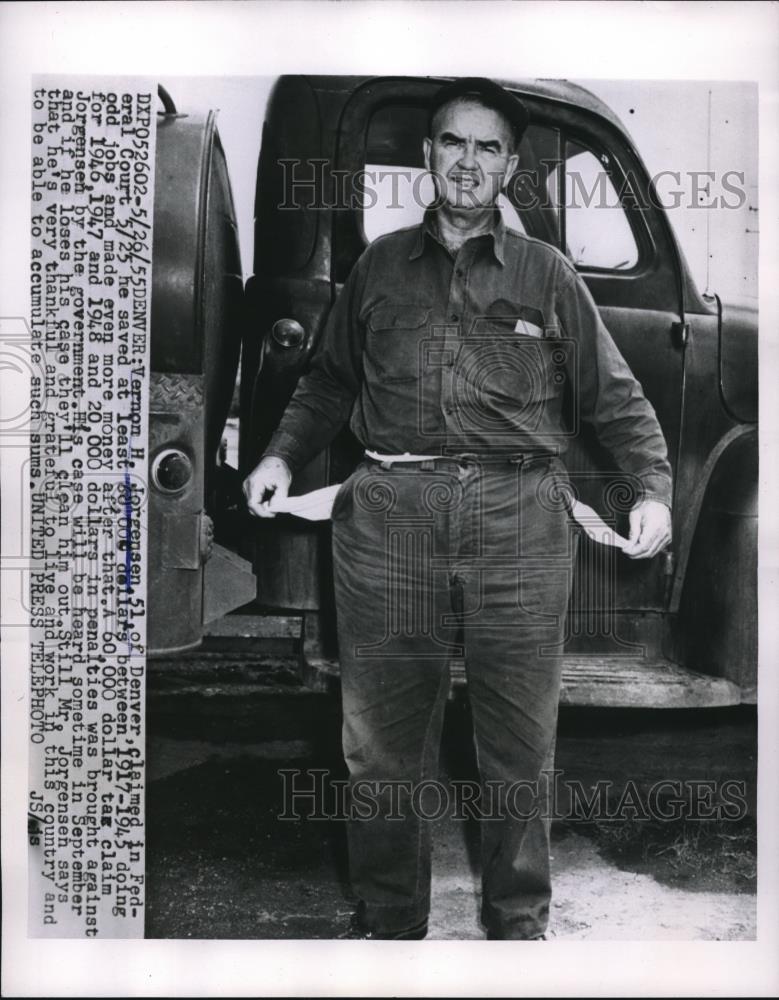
(427, 145)
(511, 166)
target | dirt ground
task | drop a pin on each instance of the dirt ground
(221, 864)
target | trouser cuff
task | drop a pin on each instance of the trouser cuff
(514, 928)
(383, 919)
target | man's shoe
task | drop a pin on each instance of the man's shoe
(359, 931)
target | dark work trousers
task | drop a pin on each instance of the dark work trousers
(436, 560)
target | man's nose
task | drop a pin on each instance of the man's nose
(468, 159)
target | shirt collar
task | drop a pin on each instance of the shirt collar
(427, 230)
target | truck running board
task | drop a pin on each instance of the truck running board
(648, 683)
(602, 681)
(608, 682)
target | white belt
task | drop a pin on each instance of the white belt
(405, 457)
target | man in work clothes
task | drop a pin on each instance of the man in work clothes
(449, 351)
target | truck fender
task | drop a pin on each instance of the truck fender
(714, 593)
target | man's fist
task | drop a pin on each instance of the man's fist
(270, 479)
(650, 529)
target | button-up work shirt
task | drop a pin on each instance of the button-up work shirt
(498, 349)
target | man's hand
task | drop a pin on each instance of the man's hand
(272, 476)
(650, 529)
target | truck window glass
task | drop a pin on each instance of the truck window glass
(597, 231)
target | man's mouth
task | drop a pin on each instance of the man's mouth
(466, 181)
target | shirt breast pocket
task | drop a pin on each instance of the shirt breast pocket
(515, 358)
(396, 340)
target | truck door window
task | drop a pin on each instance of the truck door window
(597, 233)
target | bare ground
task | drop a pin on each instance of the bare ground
(222, 865)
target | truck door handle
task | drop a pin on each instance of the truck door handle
(680, 333)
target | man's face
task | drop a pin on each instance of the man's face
(471, 154)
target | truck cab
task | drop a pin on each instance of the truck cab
(341, 164)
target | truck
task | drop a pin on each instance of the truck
(341, 163)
